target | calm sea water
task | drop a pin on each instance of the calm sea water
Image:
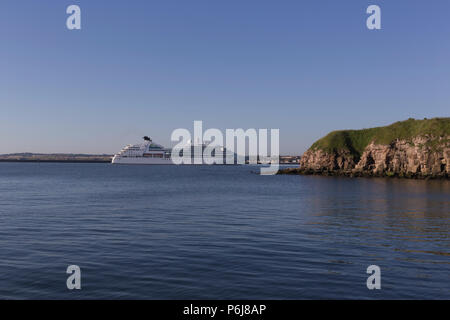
(169, 232)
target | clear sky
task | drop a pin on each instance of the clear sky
(148, 67)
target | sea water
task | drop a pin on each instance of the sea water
(218, 232)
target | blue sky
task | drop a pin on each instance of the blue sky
(148, 67)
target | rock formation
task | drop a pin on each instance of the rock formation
(411, 149)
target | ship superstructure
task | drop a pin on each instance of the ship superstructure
(143, 153)
(153, 153)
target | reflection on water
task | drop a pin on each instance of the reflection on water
(218, 233)
(417, 211)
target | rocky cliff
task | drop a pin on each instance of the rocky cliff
(412, 149)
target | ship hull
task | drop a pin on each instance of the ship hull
(150, 161)
(141, 160)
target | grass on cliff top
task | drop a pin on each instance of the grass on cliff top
(356, 141)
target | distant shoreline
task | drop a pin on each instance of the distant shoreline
(86, 158)
(56, 157)
(55, 161)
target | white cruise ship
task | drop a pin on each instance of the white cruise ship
(152, 153)
(143, 153)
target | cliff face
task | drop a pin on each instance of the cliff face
(421, 156)
(320, 160)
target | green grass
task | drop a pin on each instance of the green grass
(356, 141)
